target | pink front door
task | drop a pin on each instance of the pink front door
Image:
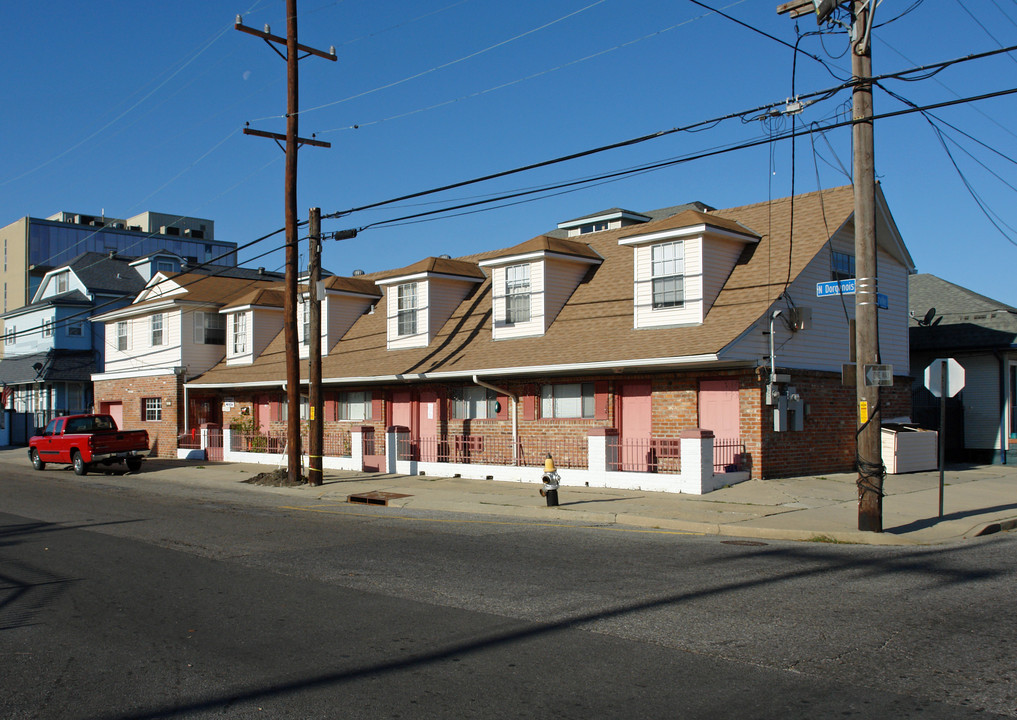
(115, 409)
(427, 425)
(718, 408)
(636, 426)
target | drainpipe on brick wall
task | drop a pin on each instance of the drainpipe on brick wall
(515, 415)
(1004, 439)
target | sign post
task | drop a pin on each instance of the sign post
(944, 378)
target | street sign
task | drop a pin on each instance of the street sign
(953, 376)
(847, 287)
(879, 375)
(835, 287)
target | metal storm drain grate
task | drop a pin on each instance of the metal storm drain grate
(375, 497)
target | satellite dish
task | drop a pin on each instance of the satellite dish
(927, 320)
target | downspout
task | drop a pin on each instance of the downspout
(515, 414)
(1004, 440)
(773, 360)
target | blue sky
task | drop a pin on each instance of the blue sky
(126, 106)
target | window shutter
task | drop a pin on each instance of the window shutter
(601, 394)
(199, 328)
(329, 410)
(273, 413)
(377, 402)
(529, 406)
(503, 401)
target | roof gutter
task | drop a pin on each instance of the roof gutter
(515, 414)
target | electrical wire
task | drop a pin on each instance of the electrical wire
(794, 47)
(439, 67)
(685, 159)
(357, 126)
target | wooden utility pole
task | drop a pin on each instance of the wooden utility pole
(316, 423)
(293, 142)
(869, 458)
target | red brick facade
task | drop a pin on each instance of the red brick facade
(826, 443)
(131, 392)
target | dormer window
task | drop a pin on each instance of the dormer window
(60, 281)
(239, 333)
(517, 294)
(406, 309)
(592, 227)
(668, 274)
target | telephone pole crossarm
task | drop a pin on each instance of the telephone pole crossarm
(269, 37)
(282, 137)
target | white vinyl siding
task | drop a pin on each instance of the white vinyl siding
(691, 310)
(824, 345)
(436, 299)
(535, 324)
(338, 313)
(398, 336)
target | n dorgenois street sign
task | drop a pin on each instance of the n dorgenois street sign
(954, 377)
(847, 287)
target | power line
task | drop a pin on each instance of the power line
(689, 158)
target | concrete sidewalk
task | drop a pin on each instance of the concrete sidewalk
(978, 500)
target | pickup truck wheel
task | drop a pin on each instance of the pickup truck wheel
(80, 468)
(134, 464)
(37, 462)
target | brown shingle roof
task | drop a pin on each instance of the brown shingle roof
(596, 324)
(443, 266)
(548, 244)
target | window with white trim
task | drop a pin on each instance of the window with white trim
(239, 333)
(305, 314)
(47, 328)
(76, 328)
(60, 282)
(152, 409)
(10, 335)
(157, 331)
(567, 400)
(474, 403)
(406, 309)
(353, 405)
(209, 328)
(517, 293)
(667, 262)
(122, 335)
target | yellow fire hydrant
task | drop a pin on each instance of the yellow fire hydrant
(549, 489)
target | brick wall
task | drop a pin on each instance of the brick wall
(132, 391)
(825, 445)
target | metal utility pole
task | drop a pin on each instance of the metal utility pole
(316, 423)
(869, 459)
(293, 142)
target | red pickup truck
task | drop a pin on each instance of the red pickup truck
(84, 440)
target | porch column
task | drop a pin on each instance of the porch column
(357, 446)
(602, 448)
(697, 460)
(394, 435)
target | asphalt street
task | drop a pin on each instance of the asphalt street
(127, 602)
